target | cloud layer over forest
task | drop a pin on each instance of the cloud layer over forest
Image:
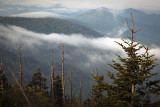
(89, 51)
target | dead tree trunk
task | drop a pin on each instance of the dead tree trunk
(42, 84)
(71, 83)
(92, 79)
(1, 64)
(1, 77)
(52, 76)
(20, 66)
(92, 83)
(21, 89)
(41, 80)
(2, 86)
(80, 93)
(63, 87)
(97, 71)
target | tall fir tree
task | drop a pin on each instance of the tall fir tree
(132, 73)
(131, 84)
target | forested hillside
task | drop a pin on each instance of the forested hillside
(49, 25)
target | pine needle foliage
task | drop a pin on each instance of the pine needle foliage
(131, 84)
(97, 96)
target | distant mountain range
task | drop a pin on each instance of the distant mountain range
(108, 22)
(99, 19)
(94, 23)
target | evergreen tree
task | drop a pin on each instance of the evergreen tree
(132, 74)
(37, 84)
(58, 92)
(97, 96)
(4, 85)
(131, 84)
(37, 91)
(5, 89)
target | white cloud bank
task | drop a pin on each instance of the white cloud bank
(17, 34)
(89, 50)
(64, 10)
(37, 14)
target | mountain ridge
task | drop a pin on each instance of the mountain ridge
(108, 22)
(49, 25)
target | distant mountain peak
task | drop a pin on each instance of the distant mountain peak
(102, 8)
(131, 10)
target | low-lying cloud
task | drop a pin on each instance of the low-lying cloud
(86, 52)
(17, 35)
(37, 14)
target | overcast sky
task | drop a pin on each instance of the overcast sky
(20, 6)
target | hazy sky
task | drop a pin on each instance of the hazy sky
(20, 6)
(140, 4)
